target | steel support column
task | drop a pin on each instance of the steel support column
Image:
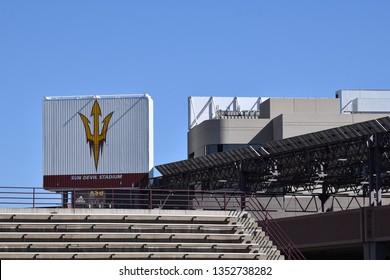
(375, 151)
(244, 187)
(371, 169)
(378, 165)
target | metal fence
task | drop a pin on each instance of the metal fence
(28, 197)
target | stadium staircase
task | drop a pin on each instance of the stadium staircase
(61, 234)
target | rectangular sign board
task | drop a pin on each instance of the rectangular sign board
(97, 142)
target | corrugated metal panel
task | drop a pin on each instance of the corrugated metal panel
(201, 108)
(128, 145)
(371, 105)
(347, 98)
(208, 161)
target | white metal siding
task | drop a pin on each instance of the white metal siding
(202, 108)
(371, 105)
(128, 143)
(347, 98)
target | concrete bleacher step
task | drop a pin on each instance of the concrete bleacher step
(127, 247)
(129, 256)
(259, 237)
(118, 227)
(122, 236)
(128, 234)
(156, 218)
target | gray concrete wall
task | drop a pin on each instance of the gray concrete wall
(298, 124)
(228, 131)
(274, 107)
(365, 228)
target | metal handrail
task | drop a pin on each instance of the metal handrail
(273, 229)
(23, 197)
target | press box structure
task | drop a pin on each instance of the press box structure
(97, 142)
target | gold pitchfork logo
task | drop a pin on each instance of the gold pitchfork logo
(97, 139)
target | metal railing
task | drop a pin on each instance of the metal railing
(28, 197)
(273, 229)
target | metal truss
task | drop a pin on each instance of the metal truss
(333, 168)
(356, 166)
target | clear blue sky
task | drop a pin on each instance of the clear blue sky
(175, 49)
